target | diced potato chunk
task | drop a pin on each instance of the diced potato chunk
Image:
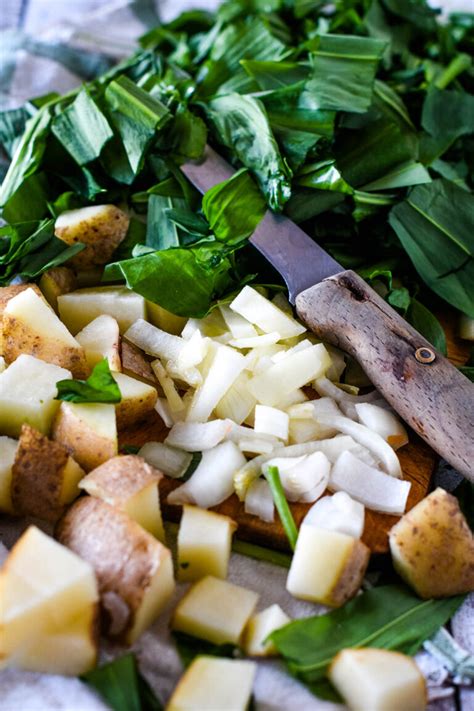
(432, 547)
(164, 319)
(215, 610)
(212, 683)
(88, 431)
(327, 566)
(101, 339)
(100, 227)
(138, 400)
(30, 326)
(259, 627)
(204, 543)
(130, 484)
(7, 293)
(27, 392)
(8, 449)
(378, 680)
(48, 608)
(57, 281)
(78, 308)
(133, 569)
(44, 476)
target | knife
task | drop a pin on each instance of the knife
(426, 390)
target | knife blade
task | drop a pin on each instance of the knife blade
(429, 393)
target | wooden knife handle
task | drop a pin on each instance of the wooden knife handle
(429, 393)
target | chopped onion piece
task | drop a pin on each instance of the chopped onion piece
(173, 398)
(259, 501)
(338, 363)
(239, 432)
(291, 373)
(293, 398)
(344, 399)
(371, 487)
(302, 475)
(304, 425)
(224, 370)
(162, 408)
(264, 314)
(238, 326)
(256, 446)
(172, 462)
(154, 341)
(282, 303)
(259, 358)
(384, 422)
(212, 481)
(267, 339)
(300, 346)
(193, 352)
(189, 376)
(339, 513)
(269, 420)
(190, 327)
(198, 436)
(238, 402)
(369, 439)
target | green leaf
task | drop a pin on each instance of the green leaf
(427, 324)
(343, 71)
(12, 126)
(388, 617)
(190, 647)
(448, 114)
(260, 553)
(82, 128)
(323, 175)
(242, 125)
(161, 232)
(234, 208)
(188, 135)
(404, 175)
(294, 109)
(435, 225)
(29, 201)
(100, 386)
(275, 75)
(399, 299)
(122, 686)
(286, 517)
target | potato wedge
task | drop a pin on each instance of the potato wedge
(8, 447)
(130, 484)
(44, 476)
(215, 610)
(100, 227)
(135, 364)
(7, 293)
(80, 307)
(138, 400)
(204, 543)
(55, 282)
(378, 680)
(101, 339)
(27, 392)
(48, 608)
(432, 547)
(88, 431)
(259, 627)
(30, 326)
(212, 683)
(327, 566)
(133, 569)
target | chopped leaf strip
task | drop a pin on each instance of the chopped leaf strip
(100, 386)
(286, 517)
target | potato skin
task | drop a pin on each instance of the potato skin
(130, 412)
(122, 477)
(101, 233)
(135, 364)
(7, 293)
(353, 574)
(124, 557)
(432, 547)
(57, 281)
(85, 446)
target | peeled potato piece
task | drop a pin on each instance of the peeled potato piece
(259, 627)
(327, 566)
(378, 680)
(138, 400)
(57, 281)
(8, 447)
(101, 339)
(134, 570)
(80, 307)
(30, 326)
(88, 431)
(48, 608)
(432, 547)
(44, 476)
(130, 484)
(212, 683)
(204, 543)
(100, 227)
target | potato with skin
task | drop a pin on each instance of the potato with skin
(100, 227)
(327, 566)
(134, 570)
(30, 326)
(44, 476)
(8, 447)
(135, 364)
(57, 281)
(7, 293)
(130, 484)
(138, 400)
(48, 608)
(432, 547)
(378, 680)
(88, 431)
(101, 339)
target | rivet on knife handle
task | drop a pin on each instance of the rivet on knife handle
(431, 395)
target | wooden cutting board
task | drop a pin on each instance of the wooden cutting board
(417, 459)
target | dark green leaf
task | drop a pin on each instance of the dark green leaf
(275, 75)
(399, 299)
(286, 517)
(161, 232)
(323, 176)
(100, 386)
(12, 126)
(82, 128)
(190, 647)
(188, 135)
(448, 114)
(260, 553)
(29, 201)
(404, 175)
(427, 324)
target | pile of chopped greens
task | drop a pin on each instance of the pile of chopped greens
(356, 119)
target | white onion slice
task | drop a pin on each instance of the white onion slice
(271, 421)
(367, 438)
(193, 352)
(198, 436)
(212, 481)
(263, 313)
(345, 400)
(267, 339)
(384, 422)
(373, 488)
(172, 462)
(259, 501)
(223, 371)
(285, 352)
(162, 408)
(237, 325)
(282, 303)
(238, 402)
(154, 341)
(255, 446)
(302, 475)
(339, 513)
(173, 398)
